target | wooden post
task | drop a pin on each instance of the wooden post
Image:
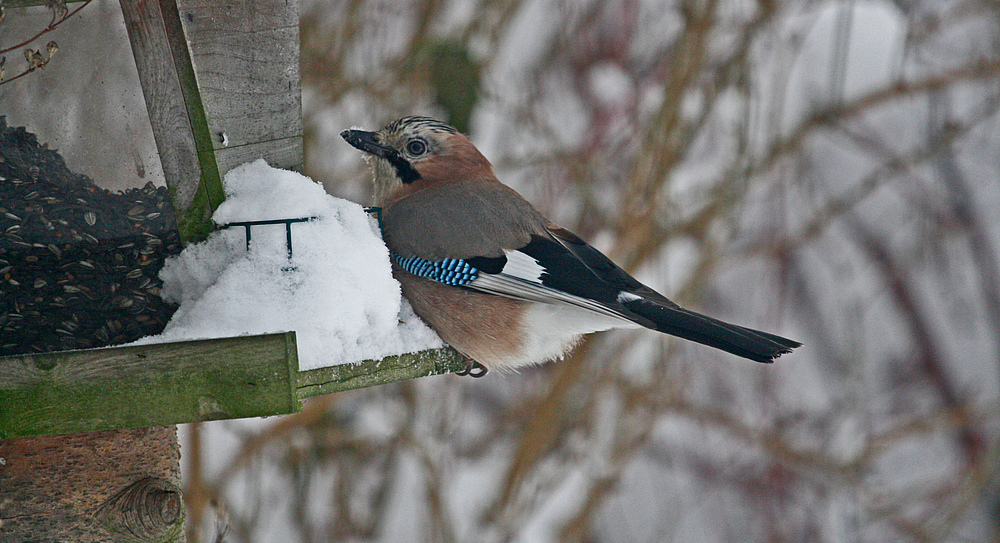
(230, 95)
(175, 114)
(189, 381)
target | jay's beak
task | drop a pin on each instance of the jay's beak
(365, 141)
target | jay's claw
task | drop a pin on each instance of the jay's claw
(473, 369)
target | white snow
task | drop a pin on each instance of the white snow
(337, 292)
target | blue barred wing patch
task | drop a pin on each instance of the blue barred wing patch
(450, 271)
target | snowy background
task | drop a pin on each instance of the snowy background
(828, 170)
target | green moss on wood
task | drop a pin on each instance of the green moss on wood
(149, 385)
(368, 373)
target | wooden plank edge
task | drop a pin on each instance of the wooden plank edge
(285, 153)
(195, 221)
(13, 4)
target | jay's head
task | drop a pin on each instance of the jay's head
(414, 152)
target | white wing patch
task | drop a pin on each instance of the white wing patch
(522, 266)
(627, 297)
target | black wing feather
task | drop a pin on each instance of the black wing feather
(565, 271)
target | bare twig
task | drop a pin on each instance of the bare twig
(57, 20)
(35, 59)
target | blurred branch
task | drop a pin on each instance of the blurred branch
(34, 58)
(663, 143)
(984, 254)
(200, 493)
(655, 94)
(851, 108)
(646, 234)
(893, 166)
(929, 356)
(542, 432)
(59, 14)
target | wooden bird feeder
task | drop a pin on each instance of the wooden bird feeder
(221, 84)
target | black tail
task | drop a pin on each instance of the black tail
(677, 321)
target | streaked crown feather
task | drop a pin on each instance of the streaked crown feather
(418, 123)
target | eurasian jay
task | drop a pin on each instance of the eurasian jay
(492, 276)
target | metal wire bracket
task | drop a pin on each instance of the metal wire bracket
(288, 229)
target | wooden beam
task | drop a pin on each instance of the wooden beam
(175, 113)
(148, 385)
(320, 381)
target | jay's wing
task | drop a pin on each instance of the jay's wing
(482, 235)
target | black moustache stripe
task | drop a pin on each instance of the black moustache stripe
(407, 174)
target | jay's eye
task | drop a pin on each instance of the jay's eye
(416, 147)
